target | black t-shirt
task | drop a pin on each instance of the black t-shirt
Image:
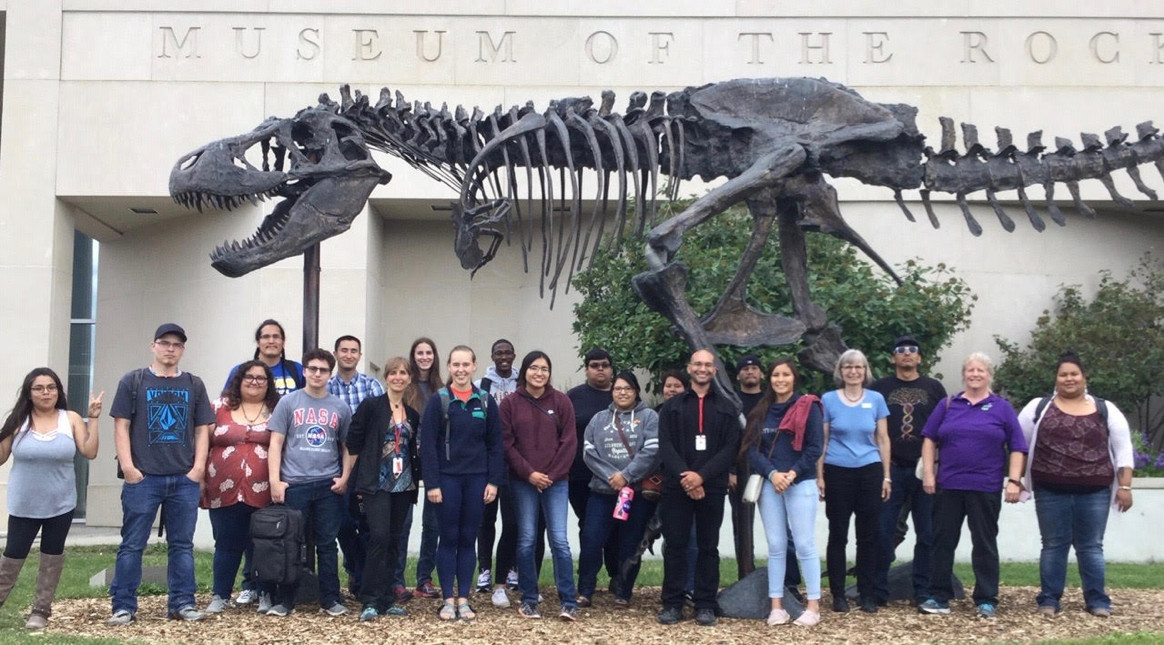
(587, 403)
(748, 401)
(910, 404)
(162, 420)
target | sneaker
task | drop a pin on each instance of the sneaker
(778, 617)
(807, 619)
(840, 604)
(689, 598)
(337, 609)
(401, 594)
(868, 605)
(279, 611)
(705, 617)
(621, 603)
(369, 613)
(528, 610)
(484, 581)
(511, 580)
(671, 616)
(217, 605)
(500, 598)
(1099, 612)
(986, 610)
(246, 597)
(120, 618)
(264, 604)
(187, 613)
(931, 606)
(395, 610)
(1047, 611)
(568, 614)
(584, 601)
(426, 590)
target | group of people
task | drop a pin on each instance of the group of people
(353, 455)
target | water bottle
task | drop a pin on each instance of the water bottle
(622, 508)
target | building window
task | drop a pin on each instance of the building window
(82, 334)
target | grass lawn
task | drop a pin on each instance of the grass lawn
(83, 562)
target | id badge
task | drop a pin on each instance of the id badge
(397, 466)
(701, 442)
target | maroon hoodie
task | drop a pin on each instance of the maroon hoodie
(538, 435)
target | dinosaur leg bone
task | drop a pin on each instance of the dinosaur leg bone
(820, 211)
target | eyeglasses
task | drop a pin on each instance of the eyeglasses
(623, 389)
(542, 369)
(255, 379)
(315, 369)
(860, 368)
(165, 344)
(905, 349)
(41, 389)
(596, 365)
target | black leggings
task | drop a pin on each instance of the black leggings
(22, 531)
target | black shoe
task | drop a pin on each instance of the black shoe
(868, 605)
(705, 617)
(671, 616)
(795, 593)
(882, 602)
(840, 605)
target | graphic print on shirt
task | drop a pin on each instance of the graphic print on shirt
(613, 444)
(908, 398)
(169, 413)
(311, 426)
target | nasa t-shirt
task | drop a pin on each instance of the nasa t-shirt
(315, 430)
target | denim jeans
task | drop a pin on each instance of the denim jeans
(1067, 520)
(906, 487)
(232, 538)
(323, 511)
(793, 509)
(178, 497)
(598, 526)
(554, 503)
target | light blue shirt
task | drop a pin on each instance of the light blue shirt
(853, 429)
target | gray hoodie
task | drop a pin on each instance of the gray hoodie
(605, 454)
(499, 386)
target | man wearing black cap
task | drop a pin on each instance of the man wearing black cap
(750, 376)
(911, 398)
(161, 429)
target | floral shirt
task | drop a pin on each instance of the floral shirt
(236, 469)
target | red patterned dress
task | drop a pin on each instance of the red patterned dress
(236, 469)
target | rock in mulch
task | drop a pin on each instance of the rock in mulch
(748, 598)
(1134, 610)
(901, 584)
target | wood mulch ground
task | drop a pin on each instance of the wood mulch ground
(1133, 610)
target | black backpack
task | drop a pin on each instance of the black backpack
(280, 549)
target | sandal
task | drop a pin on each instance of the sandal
(465, 612)
(448, 611)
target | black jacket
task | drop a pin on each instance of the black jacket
(678, 426)
(365, 439)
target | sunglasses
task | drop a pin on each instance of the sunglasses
(905, 349)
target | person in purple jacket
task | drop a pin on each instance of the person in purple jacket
(977, 435)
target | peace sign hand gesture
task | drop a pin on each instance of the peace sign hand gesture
(95, 404)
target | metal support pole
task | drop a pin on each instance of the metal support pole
(311, 298)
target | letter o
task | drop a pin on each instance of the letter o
(1052, 47)
(611, 47)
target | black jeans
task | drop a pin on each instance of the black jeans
(980, 510)
(507, 543)
(22, 531)
(677, 511)
(385, 514)
(849, 492)
(579, 496)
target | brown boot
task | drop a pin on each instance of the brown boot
(9, 572)
(46, 589)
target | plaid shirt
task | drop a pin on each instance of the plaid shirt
(361, 387)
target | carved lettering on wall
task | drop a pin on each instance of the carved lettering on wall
(485, 41)
(1157, 48)
(974, 42)
(1042, 47)
(240, 42)
(308, 47)
(875, 42)
(601, 47)
(186, 47)
(1107, 51)
(818, 47)
(754, 41)
(660, 46)
(420, 48)
(366, 44)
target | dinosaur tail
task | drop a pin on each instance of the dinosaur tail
(979, 169)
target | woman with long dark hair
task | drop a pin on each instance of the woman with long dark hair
(43, 437)
(783, 439)
(236, 475)
(425, 369)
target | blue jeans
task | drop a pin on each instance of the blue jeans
(794, 509)
(323, 511)
(429, 534)
(232, 538)
(596, 530)
(1067, 520)
(462, 505)
(178, 498)
(921, 507)
(554, 503)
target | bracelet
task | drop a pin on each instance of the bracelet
(1012, 480)
(1127, 488)
(887, 480)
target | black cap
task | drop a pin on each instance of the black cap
(749, 359)
(903, 341)
(170, 328)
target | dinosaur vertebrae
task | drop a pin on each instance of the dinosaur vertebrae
(1009, 169)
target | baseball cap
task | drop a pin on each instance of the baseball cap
(170, 328)
(749, 359)
(903, 341)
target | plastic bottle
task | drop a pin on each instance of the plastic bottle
(622, 508)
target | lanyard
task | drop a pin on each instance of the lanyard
(396, 427)
(701, 415)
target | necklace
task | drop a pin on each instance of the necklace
(846, 395)
(243, 407)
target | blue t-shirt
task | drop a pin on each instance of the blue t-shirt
(853, 429)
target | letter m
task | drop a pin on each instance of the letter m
(187, 47)
(485, 42)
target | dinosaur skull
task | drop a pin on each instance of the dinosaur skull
(322, 170)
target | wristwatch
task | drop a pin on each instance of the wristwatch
(1012, 480)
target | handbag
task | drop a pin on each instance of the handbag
(756, 482)
(652, 484)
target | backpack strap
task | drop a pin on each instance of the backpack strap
(446, 399)
(1101, 407)
(486, 384)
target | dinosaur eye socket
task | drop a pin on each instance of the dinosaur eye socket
(351, 150)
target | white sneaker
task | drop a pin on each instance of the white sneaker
(278, 610)
(500, 598)
(264, 603)
(217, 605)
(246, 597)
(335, 610)
(511, 579)
(484, 580)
